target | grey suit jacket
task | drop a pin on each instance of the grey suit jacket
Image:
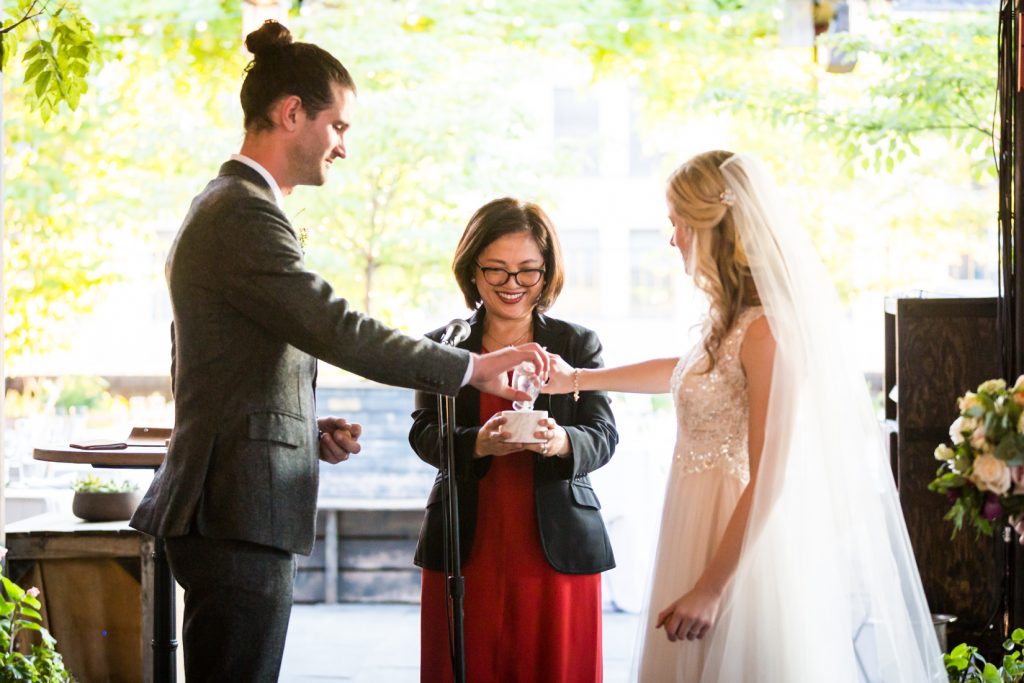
(249, 323)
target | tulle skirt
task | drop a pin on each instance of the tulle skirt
(696, 512)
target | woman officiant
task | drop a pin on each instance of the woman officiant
(532, 539)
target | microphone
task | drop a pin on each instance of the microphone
(456, 331)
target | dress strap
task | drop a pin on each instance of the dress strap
(744, 320)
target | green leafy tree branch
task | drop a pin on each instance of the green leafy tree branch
(60, 50)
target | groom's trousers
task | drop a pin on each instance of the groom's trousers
(238, 599)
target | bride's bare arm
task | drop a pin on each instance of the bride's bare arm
(692, 615)
(648, 377)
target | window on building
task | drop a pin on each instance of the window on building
(576, 130)
(581, 295)
(651, 291)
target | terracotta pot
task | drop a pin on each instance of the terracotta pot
(105, 507)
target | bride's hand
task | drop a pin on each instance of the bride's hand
(559, 376)
(691, 616)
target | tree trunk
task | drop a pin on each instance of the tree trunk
(371, 266)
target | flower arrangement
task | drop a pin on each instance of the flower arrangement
(19, 613)
(982, 472)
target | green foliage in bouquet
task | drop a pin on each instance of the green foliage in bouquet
(19, 614)
(982, 473)
(965, 665)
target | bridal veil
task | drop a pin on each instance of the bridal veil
(827, 588)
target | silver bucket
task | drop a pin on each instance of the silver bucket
(940, 621)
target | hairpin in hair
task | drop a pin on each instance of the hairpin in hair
(727, 198)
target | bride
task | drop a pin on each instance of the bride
(782, 555)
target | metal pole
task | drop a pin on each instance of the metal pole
(455, 582)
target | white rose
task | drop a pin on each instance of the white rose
(944, 452)
(992, 386)
(978, 438)
(1019, 384)
(991, 474)
(957, 429)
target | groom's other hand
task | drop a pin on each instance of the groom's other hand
(490, 369)
(339, 439)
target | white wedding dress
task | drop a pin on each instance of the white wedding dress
(826, 588)
(710, 469)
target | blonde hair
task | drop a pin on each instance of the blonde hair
(698, 195)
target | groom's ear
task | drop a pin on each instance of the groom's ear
(288, 112)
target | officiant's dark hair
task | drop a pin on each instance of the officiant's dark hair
(496, 219)
(281, 67)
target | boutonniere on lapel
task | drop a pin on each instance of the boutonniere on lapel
(303, 233)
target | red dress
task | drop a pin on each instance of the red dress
(525, 622)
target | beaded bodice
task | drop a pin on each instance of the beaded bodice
(712, 408)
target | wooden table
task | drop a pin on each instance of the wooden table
(165, 645)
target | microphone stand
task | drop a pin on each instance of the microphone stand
(456, 586)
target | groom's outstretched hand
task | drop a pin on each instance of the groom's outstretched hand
(490, 370)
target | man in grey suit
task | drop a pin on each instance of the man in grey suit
(235, 498)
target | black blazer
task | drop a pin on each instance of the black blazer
(572, 531)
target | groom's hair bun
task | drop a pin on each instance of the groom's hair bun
(282, 67)
(270, 36)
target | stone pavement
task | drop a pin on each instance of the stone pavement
(379, 643)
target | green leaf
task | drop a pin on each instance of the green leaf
(13, 590)
(31, 52)
(42, 82)
(29, 612)
(34, 69)
(961, 651)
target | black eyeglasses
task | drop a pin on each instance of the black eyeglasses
(496, 277)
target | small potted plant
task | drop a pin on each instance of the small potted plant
(104, 500)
